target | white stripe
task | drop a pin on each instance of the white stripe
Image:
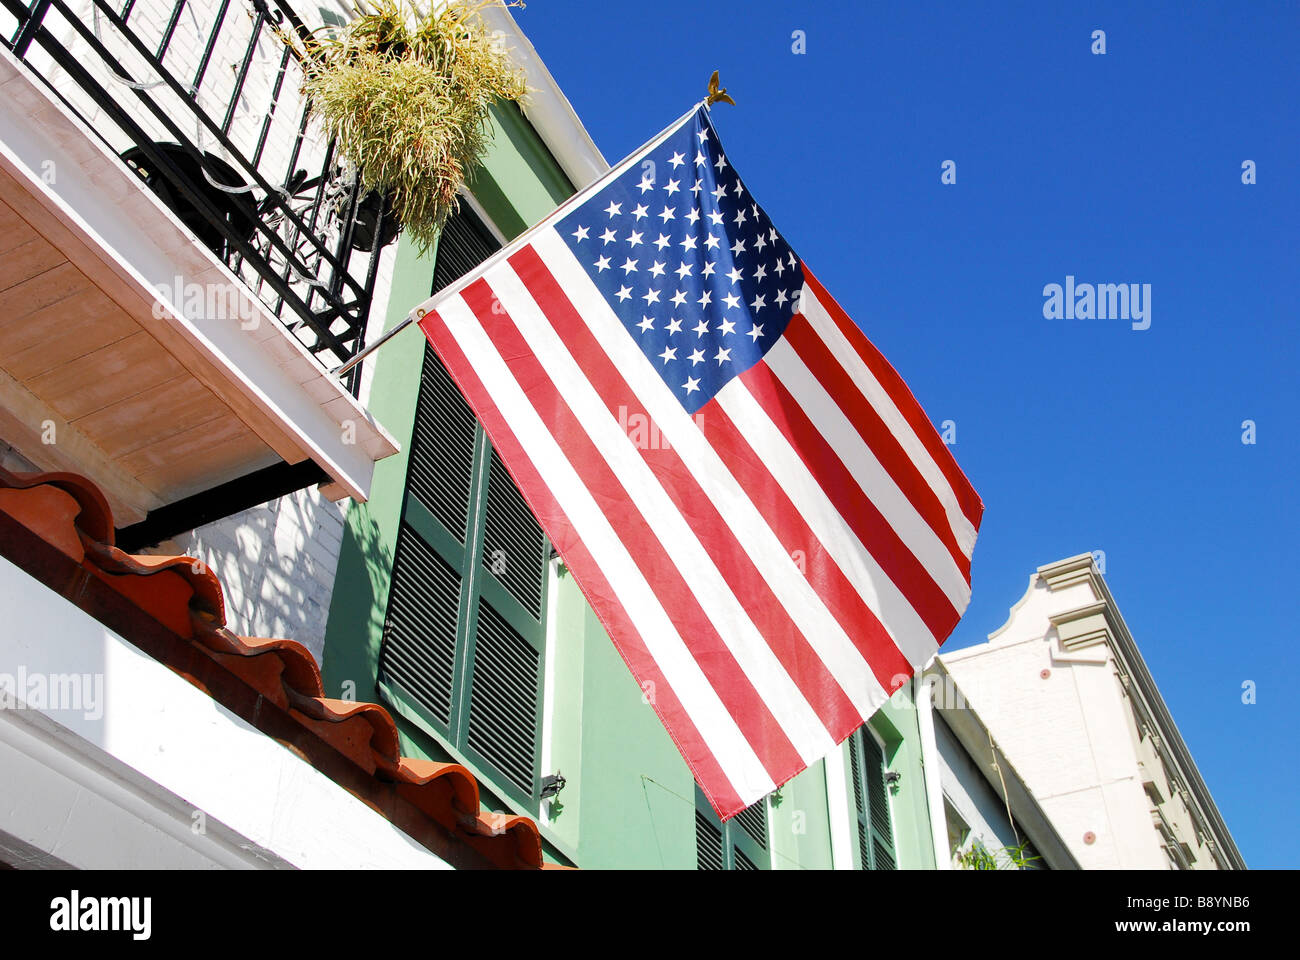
(914, 639)
(755, 658)
(819, 627)
(879, 398)
(724, 739)
(872, 478)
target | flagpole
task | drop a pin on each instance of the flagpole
(714, 96)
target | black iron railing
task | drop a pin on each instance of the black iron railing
(201, 98)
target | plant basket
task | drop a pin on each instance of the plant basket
(406, 96)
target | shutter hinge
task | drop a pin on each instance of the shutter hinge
(552, 784)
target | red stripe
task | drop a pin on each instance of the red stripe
(857, 409)
(836, 481)
(846, 605)
(587, 575)
(902, 396)
(768, 614)
(750, 711)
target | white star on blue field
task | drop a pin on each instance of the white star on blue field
(736, 282)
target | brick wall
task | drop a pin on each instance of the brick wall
(276, 562)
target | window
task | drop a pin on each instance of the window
(463, 642)
(871, 800)
(739, 844)
(958, 829)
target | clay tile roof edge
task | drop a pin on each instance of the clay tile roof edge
(187, 599)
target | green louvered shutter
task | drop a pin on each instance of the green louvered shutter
(753, 822)
(419, 649)
(464, 630)
(504, 720)
(743, 862)
(441, 470)
(739, 844)
(708, 842)
(871, 802)
(463, 244)
(514, 547)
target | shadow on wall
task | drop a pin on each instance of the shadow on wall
(277, 564)
(357, 608)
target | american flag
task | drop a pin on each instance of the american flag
(763, 518)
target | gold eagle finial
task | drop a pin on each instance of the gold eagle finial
(716, 95)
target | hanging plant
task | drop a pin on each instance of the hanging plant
(405, 95)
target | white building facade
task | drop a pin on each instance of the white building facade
(1064, 692)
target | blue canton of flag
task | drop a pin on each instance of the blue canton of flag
(690, 264)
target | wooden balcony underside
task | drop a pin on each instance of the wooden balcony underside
(85, 386)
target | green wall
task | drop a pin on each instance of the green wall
(799, 822)
(519, 182)
(356, 618)
(630, 799)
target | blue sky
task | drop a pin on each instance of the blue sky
(1080, 435)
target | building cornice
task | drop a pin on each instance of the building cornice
(1069, 572)
(1082, 627)
(1101, 622)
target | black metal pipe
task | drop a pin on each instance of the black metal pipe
(30, 21)
(270, 113)
(242, 77)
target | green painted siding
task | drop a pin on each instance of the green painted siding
(637, 795)
(360, 599)
(799, 823)
(519, 181)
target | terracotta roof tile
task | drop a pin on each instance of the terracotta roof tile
(70, 514)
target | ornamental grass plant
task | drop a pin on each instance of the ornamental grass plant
(406, 96)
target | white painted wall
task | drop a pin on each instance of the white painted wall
(121, 785)
(1066, 734)
(276, 561)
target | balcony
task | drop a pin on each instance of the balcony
(185, 257)
(201, 100)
